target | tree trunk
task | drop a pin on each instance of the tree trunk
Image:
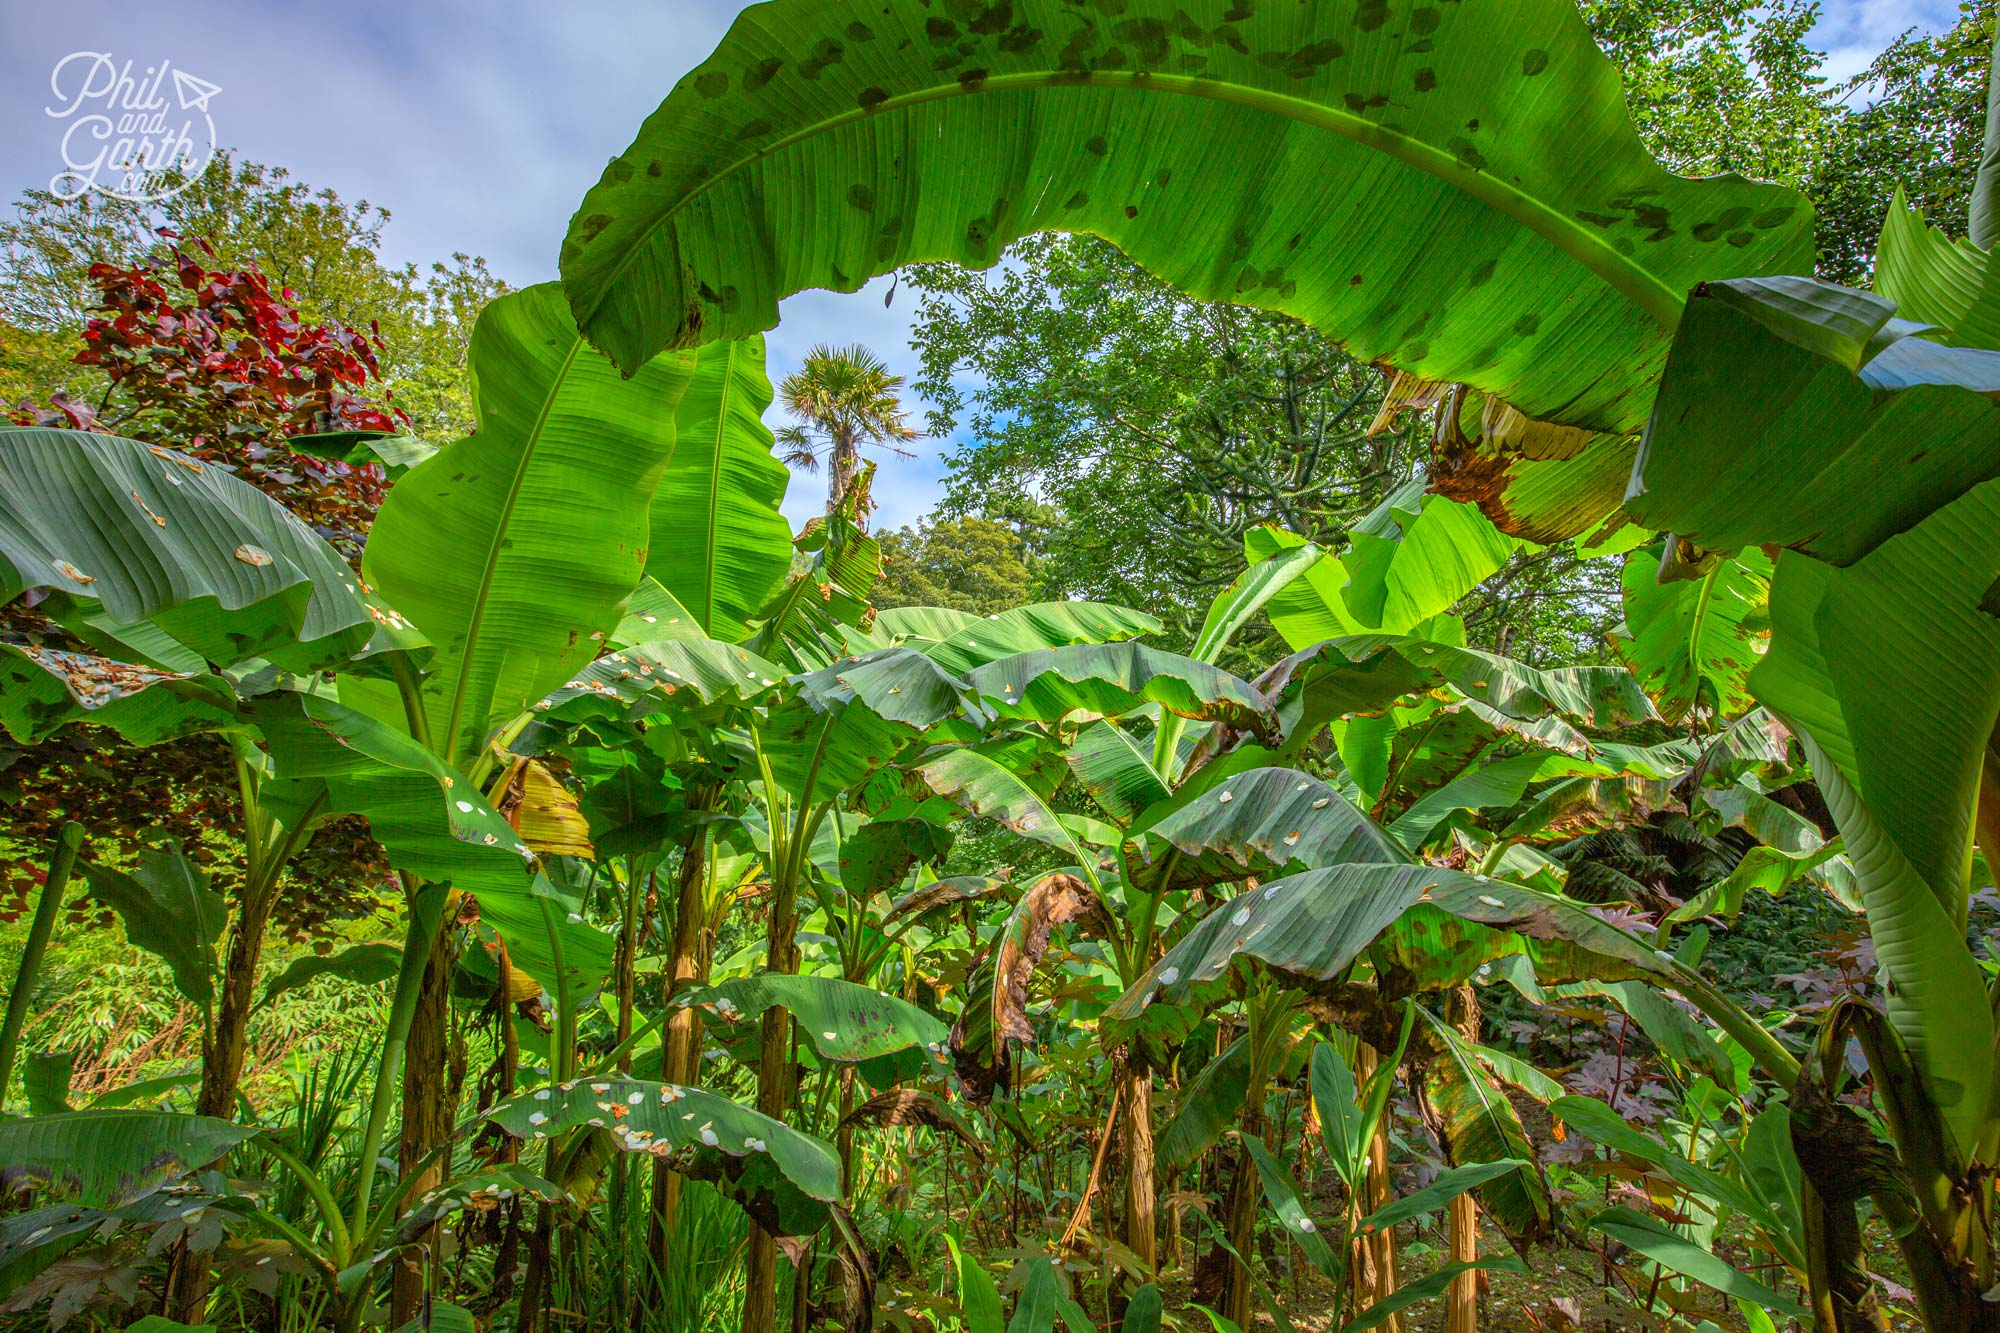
(426, 1121)
(843, 464)
(223, 1051)
(687, 965)
(1141, 1222)
(760, 1295)
(1461, 1313)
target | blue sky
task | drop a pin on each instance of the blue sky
(480, 125)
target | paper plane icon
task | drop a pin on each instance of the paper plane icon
(194, 93)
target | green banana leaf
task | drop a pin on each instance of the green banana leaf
(168, 910)
(1678, 1254)
(133, 533)
(785, 1180)
(979, 1305)
(1692, 642)
(1800, 414)
(328, 759)
(43, 690)
(1265, 822)
(635, 683)
(1477, 1123)
(812, 618)
(516, 549)
(362, 964)
(1518, 236)
(1447, 1186)
(833, 727)
(1431, 926)
(105, 1159)
(879, 855)
(844, 1022)
(1935, 280)
(719, 543)
(1115, 769)
(1287, 1200)
(1106, 679)
(1411, 559)
(1593, 1118)
(980, 784)
(973, 641)
(1206, 1108)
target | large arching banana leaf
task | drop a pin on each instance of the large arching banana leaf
(1455, 189)
(1308, 929)
(1103, 679)
(43, 690)
(718, 542)
(1265, 822)
(103, 1159)
(836, 725)
(122, 533)
(843, 1021)
(784, 1179)
(328, 759)
(959, 642)
(1870, 449)
(516, 548)
(1797, 413)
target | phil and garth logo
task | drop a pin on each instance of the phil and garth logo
(126, 136)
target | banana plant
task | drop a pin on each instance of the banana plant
(198, 570)
(1852, 432)
(1350, 1115)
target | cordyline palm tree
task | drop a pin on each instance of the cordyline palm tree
(843, 397)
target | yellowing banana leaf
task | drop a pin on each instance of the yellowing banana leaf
(1457, 191)
(1477, 1123)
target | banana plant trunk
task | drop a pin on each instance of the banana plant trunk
(760, 1295)
(1240, 1226)
(1374, 1259)
(1141, 1220)
(225, 1045)
(1461, 1312)
(426, 1120)
(686, 965)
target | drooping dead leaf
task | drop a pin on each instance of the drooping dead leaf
(913, 1106)
(1406, 393)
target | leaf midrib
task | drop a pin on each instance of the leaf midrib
(476, 622)
(715, 487)
(1580, 243)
